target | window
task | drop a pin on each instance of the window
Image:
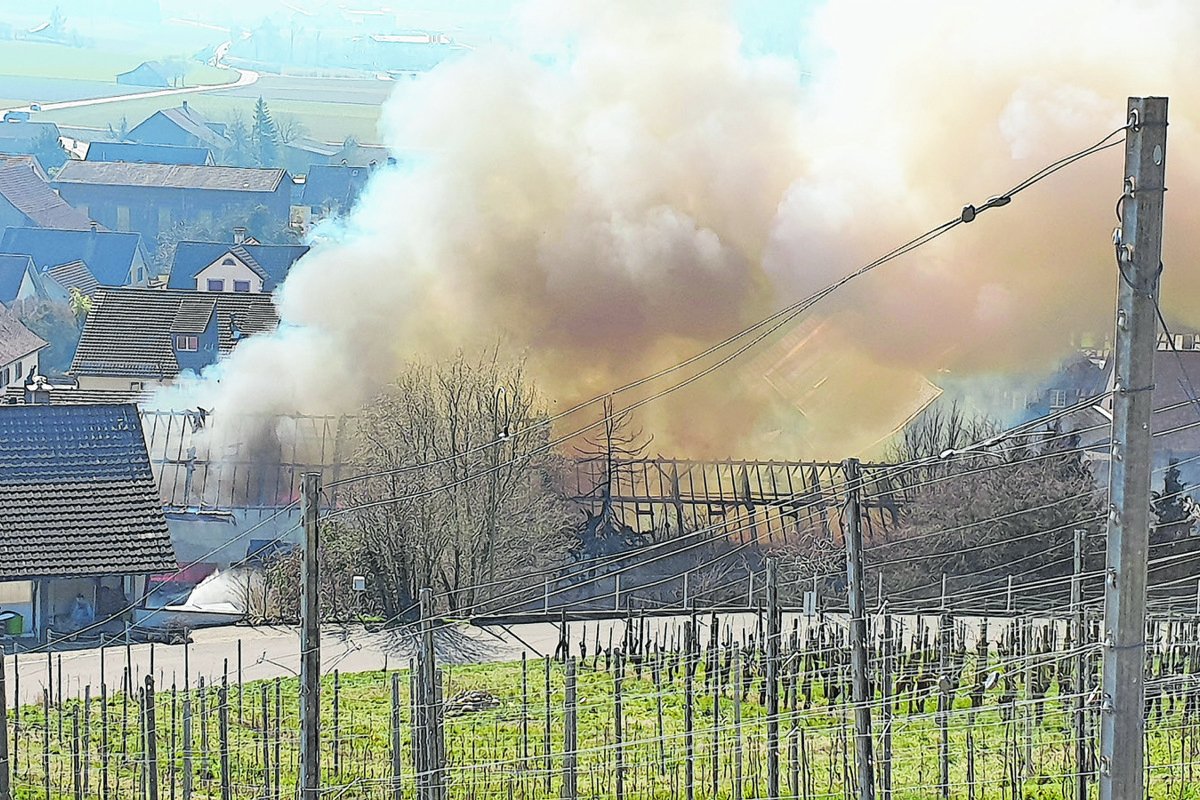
(164, 219)
(216, 284)
(228, 262)
(5, 375)
(188, 343)
(136, 386)
(123, 218)
(17, 372)
(241, 286)
(1058, 398)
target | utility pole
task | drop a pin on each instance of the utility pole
(310, 643)
(773, 633)
(1139, 248)
(861, 687)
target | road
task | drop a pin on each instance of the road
(270, 652)
(246, 77)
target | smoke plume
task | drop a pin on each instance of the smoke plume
(657, 189)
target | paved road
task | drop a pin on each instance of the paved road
(246, 77)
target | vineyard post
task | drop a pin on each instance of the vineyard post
(397, 764)
(151, 740)
(570, 734)
(1077, 636)
(618, 725)
(5, 788)
(887, 681)
(310, 642)
(223, 730)
(772, 677)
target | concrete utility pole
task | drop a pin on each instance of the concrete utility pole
(1139, 247)
(310, 643)
(861, 687)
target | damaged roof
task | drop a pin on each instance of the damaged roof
(77, 495)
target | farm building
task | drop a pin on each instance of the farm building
(149, 153)
(26, 199)
(148, 73)
(19, 348)
(150, 198)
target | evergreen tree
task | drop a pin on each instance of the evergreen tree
(265, 135)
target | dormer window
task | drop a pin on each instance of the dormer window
(216, 284)
(187, 343)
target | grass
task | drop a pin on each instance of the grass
(56, 61)
(499, 753)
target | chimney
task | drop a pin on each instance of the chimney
(95, 227)
(37, 391)
(239, 235)
(185, 106)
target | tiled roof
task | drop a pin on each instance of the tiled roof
(60, 395)
(77, 496)
(194, 313)
(109, 255)
(190, 120)
(16, 341)
(75, 275)
(16, 137)
(340, 185)
(23, 184)
(128, 331)
(12, 272)
(170, 176)
(148, 153)
(270, 261)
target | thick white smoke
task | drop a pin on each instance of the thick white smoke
(659, 189)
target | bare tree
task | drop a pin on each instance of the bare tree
(461, 487)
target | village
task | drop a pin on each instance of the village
(485, 400)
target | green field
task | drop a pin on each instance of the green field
(55, 61)
(501, 753)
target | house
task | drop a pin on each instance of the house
(148, 73)
(20, 280)
(239, 267)
(113, 258)
(183, 126)
(26, 198)
(412, 52)
(81, 522)
(72, 275)
(137, 338)
(150, 198)
(22, 137)
(149, 153)
(332, 190)
(19, 348)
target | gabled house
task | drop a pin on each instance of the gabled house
(148, 73)
(113, 258)
(19, 348)
(72, 275)
(20, 280)
(26, 198)
(332, 190)
(138, 338)
(22, 137)
(216, 267)
(183, 126)
(81, 521)
(141, 152)
(150, 198)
